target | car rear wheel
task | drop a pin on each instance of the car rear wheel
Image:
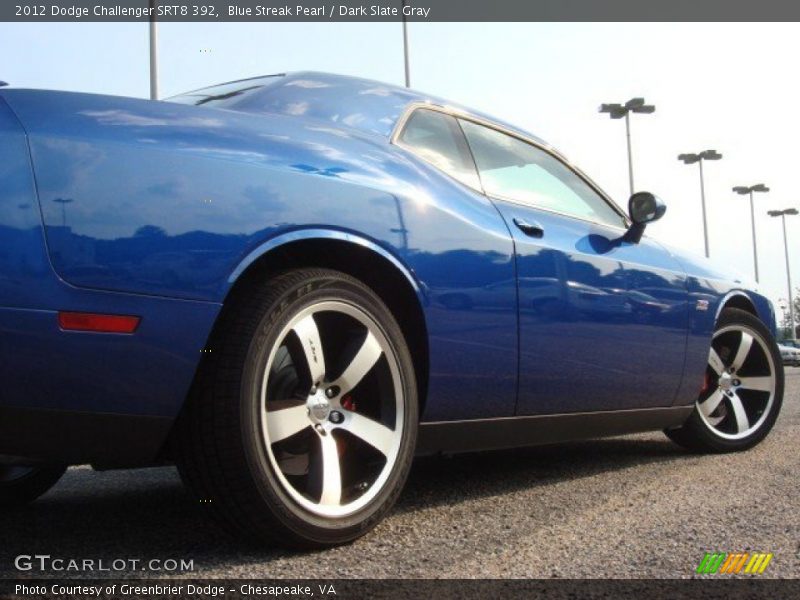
(303, 420)
(20, 485)
(743, 390)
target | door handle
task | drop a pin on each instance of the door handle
(529, 228)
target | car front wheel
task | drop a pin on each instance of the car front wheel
(743, 390)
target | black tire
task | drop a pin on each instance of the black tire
(696, 434)
(222, 454)
(22, 485)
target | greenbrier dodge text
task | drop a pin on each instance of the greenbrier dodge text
(204, 590)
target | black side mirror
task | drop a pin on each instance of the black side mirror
(643, 208)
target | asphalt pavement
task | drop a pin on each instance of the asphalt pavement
(634, 506)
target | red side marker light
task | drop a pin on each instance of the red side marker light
(79, 321)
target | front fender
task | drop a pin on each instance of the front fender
(708, 298)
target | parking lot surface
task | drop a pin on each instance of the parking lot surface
(634, 506)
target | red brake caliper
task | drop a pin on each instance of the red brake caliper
(348, 403)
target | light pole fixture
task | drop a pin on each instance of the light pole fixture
(689, 159)
(782, 214)
(744, 190)
(618, 111)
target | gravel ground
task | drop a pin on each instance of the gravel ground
(634, 506)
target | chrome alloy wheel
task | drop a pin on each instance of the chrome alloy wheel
(740, 383)
(332, 408)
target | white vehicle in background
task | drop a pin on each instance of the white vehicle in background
(790, 353)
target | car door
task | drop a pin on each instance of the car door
(602, 322)
(466, 265)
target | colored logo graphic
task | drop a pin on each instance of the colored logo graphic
(742, 562)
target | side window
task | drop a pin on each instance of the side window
(512, 169)
(437, 138)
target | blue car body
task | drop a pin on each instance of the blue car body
(125, 206)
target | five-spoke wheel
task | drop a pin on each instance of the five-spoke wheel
(303, 419)
(333, 408)
(743, 388)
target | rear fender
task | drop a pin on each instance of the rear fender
(325, 234)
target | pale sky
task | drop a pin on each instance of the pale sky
(730, 87)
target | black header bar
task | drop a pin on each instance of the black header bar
(394, 10)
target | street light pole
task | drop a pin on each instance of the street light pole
(688, 159)
(153, 52)
(782, 214)
(703, 203)
(617, 111)
(741, 189)
(788, 277)
(630, 153)
(753, 225)
(405, 48)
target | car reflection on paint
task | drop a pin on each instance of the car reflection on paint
(547, 296)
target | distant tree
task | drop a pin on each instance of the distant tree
(796, 302)
(783, 320)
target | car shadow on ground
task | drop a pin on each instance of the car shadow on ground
(147, 514)
(446, 480)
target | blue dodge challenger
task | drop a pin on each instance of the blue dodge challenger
(290, 285)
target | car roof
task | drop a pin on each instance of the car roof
(365, 104)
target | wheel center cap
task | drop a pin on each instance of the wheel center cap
(726, 382)
(319, 407)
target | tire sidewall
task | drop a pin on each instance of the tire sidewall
(293, 516)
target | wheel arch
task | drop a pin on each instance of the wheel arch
(740, 300)
(359, 257)
(751, 302)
